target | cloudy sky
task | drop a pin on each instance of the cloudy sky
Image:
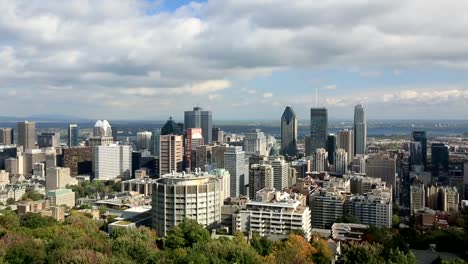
(242, 59)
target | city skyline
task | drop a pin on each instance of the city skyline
(81, 58)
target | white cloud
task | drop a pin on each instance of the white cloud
(103, 50)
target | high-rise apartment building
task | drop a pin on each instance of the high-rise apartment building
(234, 162)
(27, 134)
(417, 197)
(360, 130)
(112, 161)
(341, 161)
(289, 132)
(326, 207)
(274, 214)
(73, 135)
(199, 118)
(178, 196)
(171, 154)
(345, 140)
(373, 208)
(320, 160)
(280, 172)
(318, 128)
(260, 176)
(6, 136)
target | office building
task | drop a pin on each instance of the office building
(171, 154)
(255, 143)
(58, 178)
(6, 152)
(48, 140)
(172, 128)
(155, 134)
(360, 184)
(260, 177)
(318, 129)
(320, 160)
(326, 207)
(382, 166)
(112, 161)
(4, 178)
(331, 148)
(180, 195)
(280, 172)
(418, 150)
(274, 215)
(234, 162)
(102, 134)
(73, 139)
(27, 134)
(31, 157)
(360, 130)
(289, 133)
(6, 136)
(78, 159)
(218, 135)
(439, 158)
(372, 208)
(143, 140)
(199, 118)
(193, 139)
(61, 197)
(345, 140)
(341, 161)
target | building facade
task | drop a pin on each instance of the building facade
(360, 130)
(171, 153)
(289, 132)
(199, 118)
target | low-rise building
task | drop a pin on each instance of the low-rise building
(62, 197)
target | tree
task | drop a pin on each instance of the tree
(32, 195)
(262, 245)
(133, 243)
(10, 201)
(395, 220)
(361, 253)
(9, 220)
(324, 254)
(32, 221)
(186, 234)
(294, 249)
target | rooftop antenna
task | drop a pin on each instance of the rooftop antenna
(316, 96)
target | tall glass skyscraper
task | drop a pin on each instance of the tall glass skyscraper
(418, 151)
(360, 130)
(72, 135)
(289, 132)
(318, 129)
(200, 119)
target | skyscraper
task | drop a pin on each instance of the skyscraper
(234, 162)
(218, 135)
(72, 135)
(102, 134)
(260, 176)
(27, 134)
(439, 158)
(331, 147)
(289, 132)
(318, 128)
(155, 134)
(320, 160)
(280, 172)
(6, 136)
(360, 130)
(143, 140)
(200, 119)
(345, 141)
(171, 154)
(418, 151)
